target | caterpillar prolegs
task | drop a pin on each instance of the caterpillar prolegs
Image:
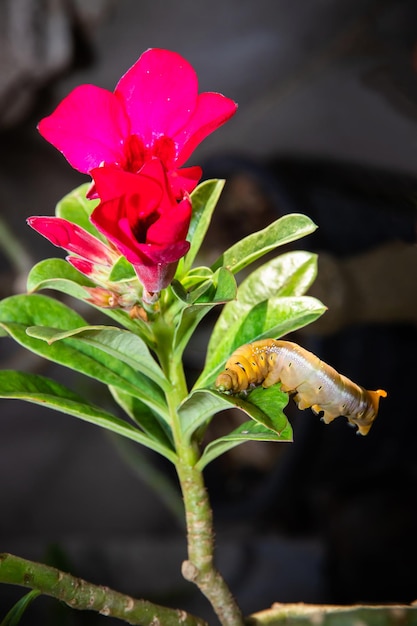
(314, 384)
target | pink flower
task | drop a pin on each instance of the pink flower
(146, 224)
(155, 111)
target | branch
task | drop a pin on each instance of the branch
(82, 595)
(328, 615)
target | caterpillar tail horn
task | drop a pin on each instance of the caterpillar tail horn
(374, 396)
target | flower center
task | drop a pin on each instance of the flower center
(164, 149)
(140, 229)
(140, 222)
(136, 153)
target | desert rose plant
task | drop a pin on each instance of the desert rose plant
(133, 235)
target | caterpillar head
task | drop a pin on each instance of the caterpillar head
(231, 380)
(224, 382)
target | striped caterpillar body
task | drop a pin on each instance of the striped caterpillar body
(314, 384)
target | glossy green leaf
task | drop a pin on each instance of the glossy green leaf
(204, 199)
(269, 319)
(269, 304)
(34, 309)
(284, 230)
(196, 276)
(265, 407)
(17, 313)
(179, 291)
(15, 614)
(199, 408)
(60, 276)
(144, 417)
(118, 343)
(122, 270)
(192, 286)
(206, 286)
(222, 288)
(205, 289)
(248, 431)
(76, 208)
(271, 402)
(287, 275)
(48, 393)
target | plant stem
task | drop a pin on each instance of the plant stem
(199, 568)
(80, 594)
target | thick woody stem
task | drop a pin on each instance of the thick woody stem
(199, 568)
(80, 594)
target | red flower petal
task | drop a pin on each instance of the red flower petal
(88, 127)
(184, 180)
(111, 183)
(155, 112)
(144, 229)
(73, 238)
(82, 265)
(212, 111)
(159, 93)
(172, 226)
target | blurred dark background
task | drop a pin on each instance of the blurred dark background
(327, 126)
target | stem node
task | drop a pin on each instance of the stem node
(190, 571)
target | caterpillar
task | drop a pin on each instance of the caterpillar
(314, 384)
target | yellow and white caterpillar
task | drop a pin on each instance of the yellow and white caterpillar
(314, 383)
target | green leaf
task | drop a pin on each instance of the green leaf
(17, 313)
(118, 343)
(192, 286)
(59, 275)
(248, 431)
(179, 291)
(202, 286)
(222, 288)
(284, 230)
(76, 208)
(269, 304)
(144, 417)
(204, 199)
(271, 401)
(287, 275)
(122, 270)
(15, 614)
(265, 407)
(46, 392)
(199, 408)
(136, 326)
(272, 318)
(34, 309)
(196, 276)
